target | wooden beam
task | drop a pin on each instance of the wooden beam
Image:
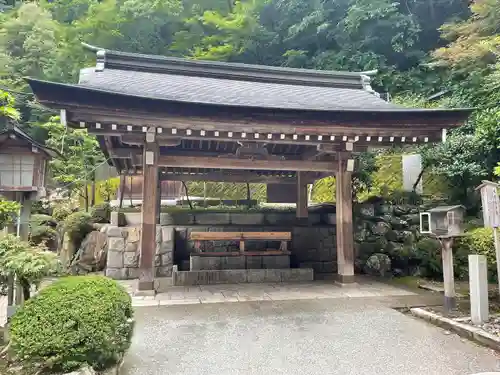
(345, 239)
(149, 207)
(246, 164)
(302, 210)
(236, 236)
(262, 123)
(228, 177)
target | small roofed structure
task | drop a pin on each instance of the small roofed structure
(443, 221)
(23, 163)
(190, 120)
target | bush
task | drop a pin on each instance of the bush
(78, 320)
(77, 226)
(37, 220)
(44, 235)
(479, 241)
(101, 213)
(61, 212)
(428, 254)
(29, 264)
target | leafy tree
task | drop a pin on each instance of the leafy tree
(7, 109)
(80, 158)
(28, 264)
(8, 212)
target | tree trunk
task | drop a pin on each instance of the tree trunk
(187, 195)
(26, 287)
(92, 191)
(86, 196)
(420, 175)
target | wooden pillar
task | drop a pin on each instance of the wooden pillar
(149, 217)
(302, 211)
(345, 240)
(158, 198)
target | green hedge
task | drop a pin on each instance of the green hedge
(478, 241)
(75, 321)
(77, 226)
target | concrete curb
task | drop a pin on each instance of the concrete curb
(464, 330)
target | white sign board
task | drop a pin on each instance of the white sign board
(491, 204)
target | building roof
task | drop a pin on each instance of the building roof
(13, 129)
(445, 208)
(232, 92)
(230, 85)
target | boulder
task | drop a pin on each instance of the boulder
(392, 235)
(380, 228)
(398, 223)
(401, 210)
(378, 265)
(91, 255)
(383, 209)
(381, 244)
(412, 219)
(367, 210)
(361, 235)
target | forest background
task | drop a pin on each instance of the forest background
(428, 53)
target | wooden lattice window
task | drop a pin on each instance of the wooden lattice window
(16, 170)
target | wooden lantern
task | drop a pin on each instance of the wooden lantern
(23, 164)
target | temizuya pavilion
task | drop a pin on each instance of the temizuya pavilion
(179, 119)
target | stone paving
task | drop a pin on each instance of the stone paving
(341, 336)
(225, 293)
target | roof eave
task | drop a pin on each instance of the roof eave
(43, 90)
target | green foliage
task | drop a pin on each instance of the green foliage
(8, 212)
(60, 212)
(41, 40)
(101, 213)
(226, 190)
(75, 321)
(43, 230)
(80, 156)
(29, 264)
(428, 253)
(7, 108)
(77, 225)
(480, 241)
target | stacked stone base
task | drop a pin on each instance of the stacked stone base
(238, 262)
(207, 277)
(124, 252)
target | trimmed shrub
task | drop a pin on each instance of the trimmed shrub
(101, 213)
(77, 226)
(29, 264)
(61, 212)
(479, 241)
(78, 320)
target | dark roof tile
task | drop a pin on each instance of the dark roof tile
(231, 92)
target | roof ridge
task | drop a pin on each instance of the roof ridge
(227, 70)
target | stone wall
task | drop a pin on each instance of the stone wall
(214, 218)
(380, 228)
(124, 252)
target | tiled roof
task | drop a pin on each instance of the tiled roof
(231, 92)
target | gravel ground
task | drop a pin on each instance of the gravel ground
(297, 337)
(491, 326)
